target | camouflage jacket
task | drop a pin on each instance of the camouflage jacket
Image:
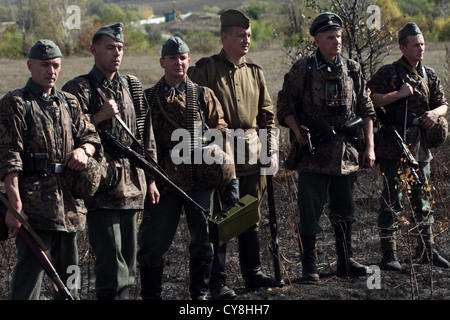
(336, 94)
(46, 198)
(242, 92)
(390, 78)
(174, 102)
(130, 191)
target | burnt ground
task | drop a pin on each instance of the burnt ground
(423, 282)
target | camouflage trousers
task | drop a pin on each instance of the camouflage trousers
(28, 273)
(314, 189)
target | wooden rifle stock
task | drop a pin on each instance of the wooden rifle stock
(275, 250)
(38, 249)
(44, 261)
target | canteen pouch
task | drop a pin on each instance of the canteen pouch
(40, 162)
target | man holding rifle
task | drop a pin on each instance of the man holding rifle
(111, 219)
(414, 103)
(44, 134)
(241, 88)
(324, 95)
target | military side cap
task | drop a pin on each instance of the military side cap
(437, 135)
(325, 21)
(45, 50)
(174, 46)
(114, 31)
(234, 18)
(84, 184)
(410, 29)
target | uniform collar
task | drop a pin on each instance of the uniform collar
(223, 54)
(36, 90)
(167, 89)
(95, 71)
(321, 63)
(420, 68)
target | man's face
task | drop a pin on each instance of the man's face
(45, 72)
(108, 54)
(175, 66)
(330, 43)
(238, 41)
(414, 49)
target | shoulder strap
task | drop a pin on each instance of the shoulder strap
(27, 105)
(308, 74)
(60, 97)
(27, 145)
(407, 66)
(163, 111)
(66, 105)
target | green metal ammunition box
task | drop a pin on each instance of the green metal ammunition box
(233, 220)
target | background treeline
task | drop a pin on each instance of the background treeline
(274, 22)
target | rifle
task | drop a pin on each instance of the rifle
(410, 160)
(39, 250)
(139, 161)
(273, 218)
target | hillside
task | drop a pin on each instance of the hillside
(160, 6)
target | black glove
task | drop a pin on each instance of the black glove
(231, 194)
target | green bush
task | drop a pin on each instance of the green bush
(135, 39)
(201, 41)
(11, 43)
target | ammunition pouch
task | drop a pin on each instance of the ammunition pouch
(397, 117)
(39, 163)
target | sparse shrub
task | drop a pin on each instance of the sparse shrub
(201, 41)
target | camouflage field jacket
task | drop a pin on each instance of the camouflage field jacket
(130, 191)
(174, 102)
(390, 78)
(307, 91)
(46, 198)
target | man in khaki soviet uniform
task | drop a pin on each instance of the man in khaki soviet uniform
(112, 210)
(327, 91)
(240, 86)
(43, 134)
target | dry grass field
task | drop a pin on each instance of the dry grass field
(416, 282)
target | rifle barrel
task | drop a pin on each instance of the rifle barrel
(149, 169)
(414, 165)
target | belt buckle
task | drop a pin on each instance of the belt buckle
(59, 168)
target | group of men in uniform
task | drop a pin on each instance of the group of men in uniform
(46, 133)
